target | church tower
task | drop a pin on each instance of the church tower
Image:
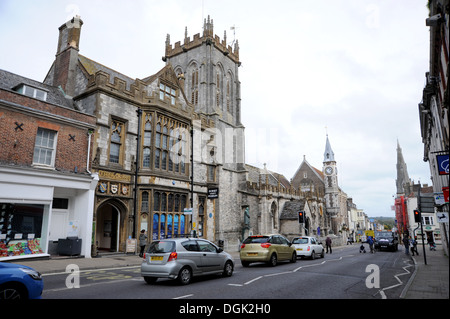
(209, 68)
(331, 181)
(402, 173)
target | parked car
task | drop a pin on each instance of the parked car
(19, 282)
(183, 258)
(307, 246)
(267, 248)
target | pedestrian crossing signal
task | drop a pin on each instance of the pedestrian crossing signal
(417, 216)
(301, 217)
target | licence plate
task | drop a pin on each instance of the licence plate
(156, 258)
(299, 248)
(252, 254)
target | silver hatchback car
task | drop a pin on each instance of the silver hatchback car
(183, 258)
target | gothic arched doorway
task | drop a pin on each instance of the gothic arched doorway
(307, 226)
(108, 225)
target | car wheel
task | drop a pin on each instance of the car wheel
(273, 260)
(12, 292)
(185, 276)
(150, 280)
(322, 255)
(313, 255)
(228, 269)
(294, 257)
(245, 263)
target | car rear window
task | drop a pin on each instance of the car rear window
(300, 241)
(158, 247)
(256, 240)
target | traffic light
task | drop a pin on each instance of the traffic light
(301, 217)
(417, 216)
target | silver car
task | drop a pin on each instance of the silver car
(183, 258)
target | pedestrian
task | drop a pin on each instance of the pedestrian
(413, 243)
(431, 243)
(370, 242)
(362, 249)
(328, 244)
(142, 242)
(406, 243)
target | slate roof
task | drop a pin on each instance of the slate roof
(254, 174)
(10, 81)
(92, 67)
(291, 208)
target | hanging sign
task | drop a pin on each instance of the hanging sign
(442, 161)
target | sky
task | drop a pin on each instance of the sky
(352, 69)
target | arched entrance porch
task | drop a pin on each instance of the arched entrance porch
(109, 226)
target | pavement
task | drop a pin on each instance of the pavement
(428, 281)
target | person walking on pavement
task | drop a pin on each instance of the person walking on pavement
(142, 242)
(328, 244)
(413, 243)
(406, 243)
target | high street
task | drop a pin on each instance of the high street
(345, 274)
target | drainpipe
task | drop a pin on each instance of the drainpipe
(192, 176)
(138, 148)
(90, 132)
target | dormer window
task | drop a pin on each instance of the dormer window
(32, 92)
(166, 92)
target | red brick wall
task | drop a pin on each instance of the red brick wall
(17, 145)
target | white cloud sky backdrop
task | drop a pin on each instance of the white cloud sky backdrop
(352, 68)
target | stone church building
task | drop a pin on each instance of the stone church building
(169, 150)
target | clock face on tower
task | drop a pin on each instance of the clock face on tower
(329, 170)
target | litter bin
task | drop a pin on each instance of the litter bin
(70, 246)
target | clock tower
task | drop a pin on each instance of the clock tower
(331, 181)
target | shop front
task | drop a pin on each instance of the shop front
(39, 208)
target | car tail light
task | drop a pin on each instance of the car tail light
(172, 256)
(242, 246)
(265, 245)
(309, 248)
(144, 256)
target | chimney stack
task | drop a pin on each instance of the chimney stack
(67, 56)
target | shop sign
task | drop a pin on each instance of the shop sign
(131, 245)
(446, 194)
(442, 161)
(213, 193)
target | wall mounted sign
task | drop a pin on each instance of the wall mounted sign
(442, 161)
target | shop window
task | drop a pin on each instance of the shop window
(155, 226)
(168, 217)
(44, 147)
(20, 229)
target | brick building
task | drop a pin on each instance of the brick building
(45, 183)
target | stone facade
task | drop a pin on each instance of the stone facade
(169, 150)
